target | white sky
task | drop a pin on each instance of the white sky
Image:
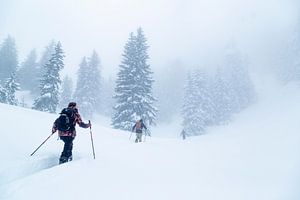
(191, 31)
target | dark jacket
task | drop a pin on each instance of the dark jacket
(71, 132)
(139, 130)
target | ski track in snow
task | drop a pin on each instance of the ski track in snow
(24, 168)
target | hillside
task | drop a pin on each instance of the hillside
(255, 157)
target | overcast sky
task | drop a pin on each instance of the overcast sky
(187, 30)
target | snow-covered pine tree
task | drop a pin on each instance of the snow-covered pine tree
(3, 98)
(11, 86)
(204, 95)
(107, 100)
(82, 79)
(124, 90)
(241, 86)
(50, 83)
(66, 92)
(221, 95)
(88, 87)
(190, 123)
(289, 65)
(28, 72)
(95, 88)
(8, 59)
(198, 108)
(41, 65)
(133, 89)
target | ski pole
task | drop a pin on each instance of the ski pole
(145, 136)
(41, 144)
(92, 140)
(148, 132)
(130, 135)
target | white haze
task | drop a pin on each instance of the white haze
(192, 32)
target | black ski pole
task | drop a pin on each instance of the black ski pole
(92, 140)
(41, 144)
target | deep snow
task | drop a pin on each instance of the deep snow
(256, 157)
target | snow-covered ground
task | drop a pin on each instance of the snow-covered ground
(257, 157)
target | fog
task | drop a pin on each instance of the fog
(193, 32)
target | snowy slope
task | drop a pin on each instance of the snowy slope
(254, 158)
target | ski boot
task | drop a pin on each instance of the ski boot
(63, 159)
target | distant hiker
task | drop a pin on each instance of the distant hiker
(138, 126)
(183, 134)
(65, 124)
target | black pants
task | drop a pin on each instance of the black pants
(68, 147)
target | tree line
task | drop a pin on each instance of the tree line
(207, 98)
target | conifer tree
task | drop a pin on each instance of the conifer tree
(8, 58)
(222, 97)
(3, 95)
(66, 92)
(241, 89)
(107, 93)
(88, 88)
(28, 72)
(133, 89)
(289, 69)
(11, 86)
(189, 107)
(198, 108)
(41, 65)
(50, 83)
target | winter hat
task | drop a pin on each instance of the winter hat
(72, 104)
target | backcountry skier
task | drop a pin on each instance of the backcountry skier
(65, 124)
(138, 127)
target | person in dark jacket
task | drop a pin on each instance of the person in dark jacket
(69, 135)
(183, 134)
(138, 127)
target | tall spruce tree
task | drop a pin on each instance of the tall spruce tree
(66, 92)
(133, 89)
(28, 72)
(222, 96)
(241, 87)
(88, 87)
(3, 97)
(8, 58)
(41, 65)
(198, 109)
(190, 122)
(289, 69)
(107, 100)
(11, 86)
(50, 83)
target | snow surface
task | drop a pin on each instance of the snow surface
(256, 157)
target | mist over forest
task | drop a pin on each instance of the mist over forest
(156, 60)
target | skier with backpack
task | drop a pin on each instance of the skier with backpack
(65, 125)
(138, 127)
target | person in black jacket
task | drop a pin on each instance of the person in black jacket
(67, 136)
(138, 127)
